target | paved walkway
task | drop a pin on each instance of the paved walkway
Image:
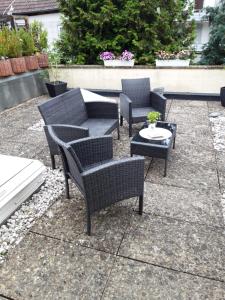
(176, 250)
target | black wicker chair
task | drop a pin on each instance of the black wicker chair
(88, 162)
(85, 118)
(137, 100)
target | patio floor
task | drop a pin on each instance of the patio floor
(176, 250)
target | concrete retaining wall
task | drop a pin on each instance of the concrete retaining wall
(191, 79)
(17, 89)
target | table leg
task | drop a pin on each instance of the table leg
(165, 169)
(174, 142)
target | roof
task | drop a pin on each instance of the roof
(28, 6)
(199, 4)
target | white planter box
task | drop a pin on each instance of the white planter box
(119, 63)
(172, 63)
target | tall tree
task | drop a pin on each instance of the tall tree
(214, 51)
(141, 26)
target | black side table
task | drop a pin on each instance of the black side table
(155, 148)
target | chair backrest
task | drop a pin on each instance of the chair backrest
(68, 108)
(71, 162)
(138, 90)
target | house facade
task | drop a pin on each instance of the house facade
(45, 11)
(202, 22)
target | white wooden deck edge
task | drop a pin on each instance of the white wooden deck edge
(15, 191)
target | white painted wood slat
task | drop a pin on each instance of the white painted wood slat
(19, 179)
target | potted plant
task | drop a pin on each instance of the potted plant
(173, 59)
(14, 52)
(55, 87)
(5, 65)
(124, 60)
(152, 118)
(40, 37)
(28, 49)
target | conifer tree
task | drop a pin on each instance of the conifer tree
(140, 26)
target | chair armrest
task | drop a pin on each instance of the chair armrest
(125, 107)
(93, 149)
(158, 102)
(114, 181)
(100, 109)
(65, 133)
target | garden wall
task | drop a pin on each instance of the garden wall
(17, 89)
(194, 79)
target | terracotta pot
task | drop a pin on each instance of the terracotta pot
(18, 65)
(5, 68)
(43, 60)
(31, 62)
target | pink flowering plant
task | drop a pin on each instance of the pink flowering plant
(126, 55)
(164, 55)
(107, 55)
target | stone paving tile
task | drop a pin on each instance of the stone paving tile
(45, 268)
(201, 154)
(134, 280)
(19, 149)
(197, 131)
(194, 142)
(191, 111)
(215, 106)
(67, 220)
(6, 121)
(184, 174)
(183, 204)
(6, 134)
(195, 104)
(178, 245)
(185, 118)
(30, 137)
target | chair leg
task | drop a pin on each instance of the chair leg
(118, 132)
(165, 169)
(174, 142)
(140, 205)
(121, 120)
(67, 187)
(53, 161)
(130, 129)
(89, 224)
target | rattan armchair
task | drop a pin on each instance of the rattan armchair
(137, 100)
(89, 163)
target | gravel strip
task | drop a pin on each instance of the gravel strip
(218, 130)
(37, 126)
(23, 219)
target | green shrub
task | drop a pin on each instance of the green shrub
(28, 47)
(40, 36)
(3, 43)
(14, 47)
